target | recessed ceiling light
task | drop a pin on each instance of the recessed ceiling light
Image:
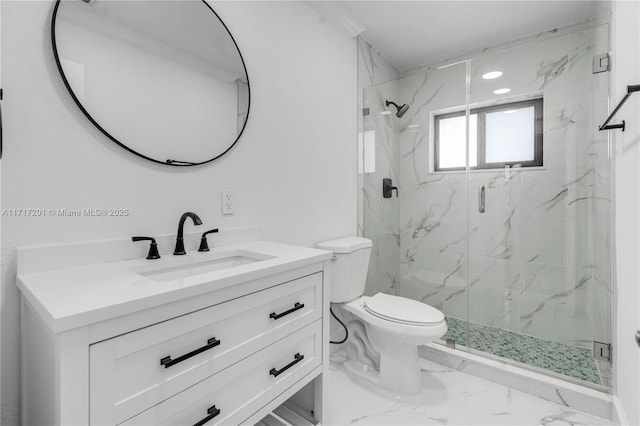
(385, 112)
(502, 91)
(491, 75)
(413, 126)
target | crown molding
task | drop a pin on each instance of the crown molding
(334, 13)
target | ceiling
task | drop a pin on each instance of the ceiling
(410, 34)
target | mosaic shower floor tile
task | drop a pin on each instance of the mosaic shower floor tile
(559, 358)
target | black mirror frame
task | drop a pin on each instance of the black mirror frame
(113, 139)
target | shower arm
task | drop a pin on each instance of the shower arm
(604, 126)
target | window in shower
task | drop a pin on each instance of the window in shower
(505, 135)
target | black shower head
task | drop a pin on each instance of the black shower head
(401, 109)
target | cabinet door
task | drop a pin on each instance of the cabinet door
(242, 389)
(135, 371)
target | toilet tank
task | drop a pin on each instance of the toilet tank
(349, 268)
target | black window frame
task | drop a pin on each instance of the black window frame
(481, 112)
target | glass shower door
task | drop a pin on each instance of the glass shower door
(538, 261)
(501, 217)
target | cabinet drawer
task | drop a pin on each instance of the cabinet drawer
(243, 388)
(132, 372)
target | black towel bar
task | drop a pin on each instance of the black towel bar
(606, 125)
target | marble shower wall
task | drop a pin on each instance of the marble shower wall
(433, 218)
(378, 148)
(538, 258)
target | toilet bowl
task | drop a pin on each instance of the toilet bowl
(386, 330)
(395, 334)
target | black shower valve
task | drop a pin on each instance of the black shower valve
(388, 188)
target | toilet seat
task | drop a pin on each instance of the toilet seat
(402, 310)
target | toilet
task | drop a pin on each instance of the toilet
(383, 341)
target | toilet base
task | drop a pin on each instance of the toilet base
(364, 371)
(390, 347)
(399, 365)
(383, 359)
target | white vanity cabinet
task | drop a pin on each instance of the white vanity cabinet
(249, 340)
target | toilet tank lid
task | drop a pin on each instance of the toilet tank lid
(345, 245)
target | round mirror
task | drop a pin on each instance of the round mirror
(163, 79)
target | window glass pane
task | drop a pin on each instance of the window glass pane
(510, 135)
(452, 137)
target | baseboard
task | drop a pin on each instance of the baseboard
(619, 416)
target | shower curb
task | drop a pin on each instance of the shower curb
(542, 386)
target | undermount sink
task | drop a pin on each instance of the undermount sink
(184, 267)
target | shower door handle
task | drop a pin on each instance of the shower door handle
(638, 338)
(481, 197)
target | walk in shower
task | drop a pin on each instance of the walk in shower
(502, 215)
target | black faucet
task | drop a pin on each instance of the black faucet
(180, 238)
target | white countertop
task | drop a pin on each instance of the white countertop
(73, 297)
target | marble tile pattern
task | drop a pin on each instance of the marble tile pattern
(538, 258)
(572, 361)
(373, 69)
(449, 397)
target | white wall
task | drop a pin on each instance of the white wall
(626, 71)
(293, 170)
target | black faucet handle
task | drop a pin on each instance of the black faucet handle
(211, 231)
(204, 246)
(153, 247)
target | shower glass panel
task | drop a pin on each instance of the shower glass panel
(420, 237)
(502, 220)
(381, 216)
(538, 260)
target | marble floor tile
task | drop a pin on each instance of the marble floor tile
(449, 397)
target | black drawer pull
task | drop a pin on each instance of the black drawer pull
(168, 362)
(212, 412)
(276, 373)
(295, 308)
